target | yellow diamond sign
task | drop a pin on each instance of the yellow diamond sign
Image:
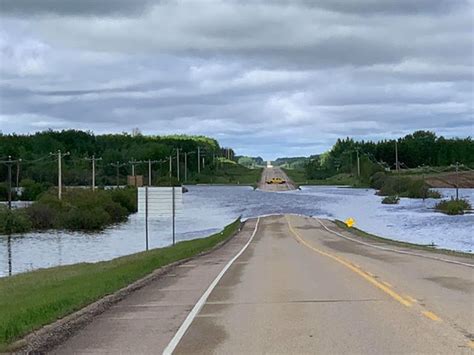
(349, 222)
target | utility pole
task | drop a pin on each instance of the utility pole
(133, 162)
(117, 165)
(9, 165)
(397, 165)
(352, 169)
(177, 163)
(149, 174)
(18, 173)
(358, 163)
(185, 166)
(199, 160)
(174, 214)
(60, 173)
(457, 181)
(93, 161)
(423, 177)
(60, 157)
(171, 166)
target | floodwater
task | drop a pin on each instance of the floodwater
(206, 209)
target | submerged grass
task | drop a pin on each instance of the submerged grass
(453, 206)
(33, 299)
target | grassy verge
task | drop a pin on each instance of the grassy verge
(299, 177)
(365, 235)
(229, 173)
(33, 299)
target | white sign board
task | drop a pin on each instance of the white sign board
(160, 201)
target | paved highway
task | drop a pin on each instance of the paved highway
(288, 285)
(269, 173)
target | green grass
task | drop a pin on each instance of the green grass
(453, 206)
(299, 177)
(365, 235)
(228, 173)
(33, 299)
(391, 200)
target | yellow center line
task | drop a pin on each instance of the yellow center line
(411, 299)
(365, 275)
(431, 315)
(390, 285)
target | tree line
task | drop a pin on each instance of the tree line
(37, 164)
(421, 148)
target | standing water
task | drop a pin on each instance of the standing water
(207, 209)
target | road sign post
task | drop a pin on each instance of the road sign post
(159, 202)
(146, 217)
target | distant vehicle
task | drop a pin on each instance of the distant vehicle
(276, 180)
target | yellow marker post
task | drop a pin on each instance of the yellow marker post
(349, 222)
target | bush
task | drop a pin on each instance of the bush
(391, 200)
(82, 209)
(41, 216)
(377, 180)
(125, 197)
(416, 189)
(13, 221)
(433, 194)
(32, 190)
(403, 186)
(85, 219)
(79, 209)
(4, 192)
(453, 206)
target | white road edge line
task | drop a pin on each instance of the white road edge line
(199, 304)
(394, 250)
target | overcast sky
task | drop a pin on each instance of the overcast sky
(269, 78)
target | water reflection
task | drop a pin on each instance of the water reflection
(207, 209)
(9, 249)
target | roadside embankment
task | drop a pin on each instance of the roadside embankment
(33, 299)
(463, 179)
(364, 236)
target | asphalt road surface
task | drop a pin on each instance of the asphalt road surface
(269, 173)
(295, 287)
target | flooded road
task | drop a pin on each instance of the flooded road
(206, 209)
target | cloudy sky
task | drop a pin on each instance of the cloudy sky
(270, 78)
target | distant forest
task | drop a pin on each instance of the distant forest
(37, 163)
(422, 148)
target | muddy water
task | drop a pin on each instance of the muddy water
(206, 209)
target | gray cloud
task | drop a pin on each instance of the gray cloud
(315, 70)
(75, 8)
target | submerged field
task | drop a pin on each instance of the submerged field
(205, 209)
